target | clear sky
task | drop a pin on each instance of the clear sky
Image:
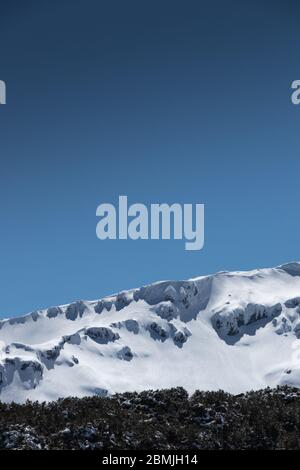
(163, 101)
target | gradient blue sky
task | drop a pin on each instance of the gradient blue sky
(165, 101)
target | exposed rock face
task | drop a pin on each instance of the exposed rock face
(185, 298)
(30, 372)
(52, 312)
(292, 303)
(166, 310)
(125, 354)
(228, 322)
(168, 330)
(75, 310)
(101, 335)
(130, 325)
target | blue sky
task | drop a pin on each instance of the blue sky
(168, 101)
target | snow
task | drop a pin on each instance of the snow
(235, 331)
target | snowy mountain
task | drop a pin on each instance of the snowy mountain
(233, 330)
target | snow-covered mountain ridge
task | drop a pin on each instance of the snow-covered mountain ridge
(233, 330)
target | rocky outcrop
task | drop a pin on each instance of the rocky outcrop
(229, 322)
(30, 372)
(101, 335)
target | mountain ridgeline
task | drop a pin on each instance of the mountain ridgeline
(235, 331)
